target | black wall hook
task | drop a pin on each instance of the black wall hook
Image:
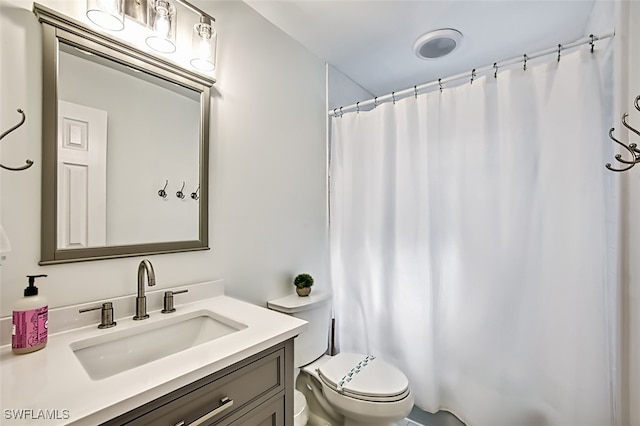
(180, 194)
(163, 192)
(632, 148)
(195, 194)
(28, 163)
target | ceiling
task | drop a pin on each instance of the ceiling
(371, 41)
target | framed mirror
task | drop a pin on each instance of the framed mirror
(125, 142)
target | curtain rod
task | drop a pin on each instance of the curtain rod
(394, 96)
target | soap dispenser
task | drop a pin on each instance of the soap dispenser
(30, 320)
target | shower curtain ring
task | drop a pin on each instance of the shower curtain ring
(559, 49)
(357, 107)
(375, 102)
(440, 84)
(473, 75)
(591, 42)
(495, 67)
(415, 91)
(393, 97)
(341, 113)
(525, 62)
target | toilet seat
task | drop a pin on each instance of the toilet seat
(363, 377)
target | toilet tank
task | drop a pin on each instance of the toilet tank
(315, 308)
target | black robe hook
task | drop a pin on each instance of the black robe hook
(631, 148)
(28, 162)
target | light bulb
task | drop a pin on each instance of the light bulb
(203, 45)
(204, 50)
(162, 26)
(163, 38)
(204, 31)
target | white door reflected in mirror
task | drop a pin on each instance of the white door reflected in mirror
(82, 176)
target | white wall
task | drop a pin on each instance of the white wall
(267, 212)
(343, 91)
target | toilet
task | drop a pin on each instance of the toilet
(300, 409)
(347, 389)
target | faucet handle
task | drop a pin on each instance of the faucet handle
(168, 301)
(106, 317)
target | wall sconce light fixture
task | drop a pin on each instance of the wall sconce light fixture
(203, 44)
(162, 18)
(161, 21)
(108, 14)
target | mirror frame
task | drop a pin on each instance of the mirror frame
(58, 28)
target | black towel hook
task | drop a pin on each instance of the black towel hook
(195, 194)
(631, 148)
(163, 193)
(28, 162)
(180, 194)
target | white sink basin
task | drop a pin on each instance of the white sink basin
(109, 354)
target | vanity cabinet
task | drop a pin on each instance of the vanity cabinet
(257, 391)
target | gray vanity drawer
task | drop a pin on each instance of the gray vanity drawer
(270, 413)
(248, 384)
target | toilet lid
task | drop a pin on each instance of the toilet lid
(364, 377)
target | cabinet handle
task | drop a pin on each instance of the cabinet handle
(225, 403)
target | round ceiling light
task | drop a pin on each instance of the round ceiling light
(437, 44)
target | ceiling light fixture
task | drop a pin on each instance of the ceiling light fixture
(436, 44)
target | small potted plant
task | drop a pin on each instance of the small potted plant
(303, 283)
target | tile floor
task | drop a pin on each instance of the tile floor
(407, 422)
(417, 417)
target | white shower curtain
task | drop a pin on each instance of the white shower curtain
(469, 233)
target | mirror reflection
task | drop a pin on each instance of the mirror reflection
(123, 134)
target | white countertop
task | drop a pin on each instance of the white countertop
(50, 386)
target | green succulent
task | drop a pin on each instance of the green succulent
(303, 280)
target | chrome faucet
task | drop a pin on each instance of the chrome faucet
(141, 300)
